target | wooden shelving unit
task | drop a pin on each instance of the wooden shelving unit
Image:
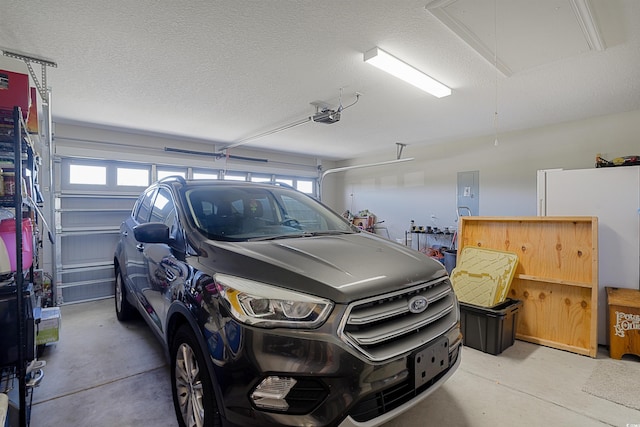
(556, 278)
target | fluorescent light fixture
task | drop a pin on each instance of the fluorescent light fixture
(392, 65)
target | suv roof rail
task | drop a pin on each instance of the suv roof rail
(178, 178)
(285, 185)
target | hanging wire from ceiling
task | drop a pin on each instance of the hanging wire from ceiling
(341, 108)
(495, 65)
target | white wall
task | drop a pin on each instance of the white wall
(427, 185)
(410, 190)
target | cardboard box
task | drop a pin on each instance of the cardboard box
(49, 327)
(364, 222)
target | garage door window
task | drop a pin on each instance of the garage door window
(87, 174)
(304, 186)
(205, 175)
(167, 172)
(132, 177)
(288, 182)
(258, 178)
(232, 177)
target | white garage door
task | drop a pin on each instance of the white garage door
(92, 199)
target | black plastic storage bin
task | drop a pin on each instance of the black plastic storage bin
(9, 344)
(489, 329)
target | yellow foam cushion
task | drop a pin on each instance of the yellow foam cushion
(483, 276)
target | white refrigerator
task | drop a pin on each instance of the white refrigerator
(613, 195)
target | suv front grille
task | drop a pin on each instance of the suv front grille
(383, 327)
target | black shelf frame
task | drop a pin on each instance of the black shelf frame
(22, 144)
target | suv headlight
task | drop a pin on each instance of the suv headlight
(267, 306)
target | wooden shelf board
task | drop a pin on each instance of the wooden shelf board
(552, 280)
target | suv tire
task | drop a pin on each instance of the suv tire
(193, 397)
(124, 309)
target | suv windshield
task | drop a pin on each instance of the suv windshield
(259, 213)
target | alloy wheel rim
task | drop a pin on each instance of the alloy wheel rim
(189, 387)
(118, 294)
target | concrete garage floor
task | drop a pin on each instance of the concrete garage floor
(103, 373)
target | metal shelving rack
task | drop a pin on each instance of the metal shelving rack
(21, 365)
(21, 134)
(26, 366)
(44, 91)
(22, 339)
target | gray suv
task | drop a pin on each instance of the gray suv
(276, 311)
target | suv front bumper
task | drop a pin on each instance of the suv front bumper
(334, 384)
(388, 416)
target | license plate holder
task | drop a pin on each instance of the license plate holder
(429, 361)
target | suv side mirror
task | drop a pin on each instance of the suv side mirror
(152, 232)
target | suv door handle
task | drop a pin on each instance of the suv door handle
(140, 247)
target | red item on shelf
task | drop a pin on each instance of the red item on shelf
(8, 244)
(14, 92)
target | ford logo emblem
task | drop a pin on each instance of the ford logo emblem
(418, 304)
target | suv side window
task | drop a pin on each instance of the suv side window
(163, 209)
(144, 207)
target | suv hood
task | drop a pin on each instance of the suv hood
(340, 267)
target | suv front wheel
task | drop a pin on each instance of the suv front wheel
(124, 310)
(191, 386)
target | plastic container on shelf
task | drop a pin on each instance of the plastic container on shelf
(8, 236)
(49, 327)
(5, 261)
(6, 213)
(9, 183)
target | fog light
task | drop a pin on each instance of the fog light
(454, 335)
(271, 393)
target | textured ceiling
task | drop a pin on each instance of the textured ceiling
(226, 71)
